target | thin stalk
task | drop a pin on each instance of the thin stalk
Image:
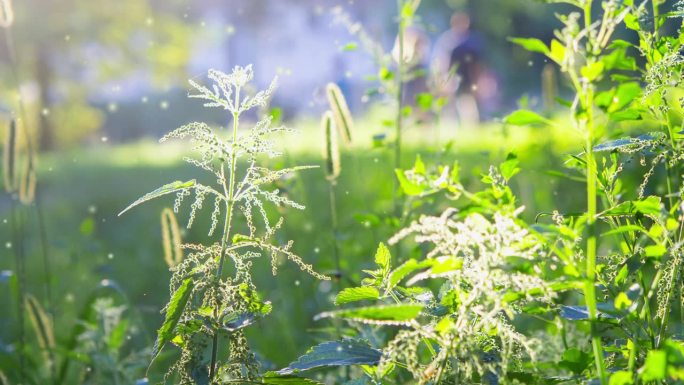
(400, 103)
(334, 227)
(17, 243)
(589, 287)
(225, 239)
(336, 250)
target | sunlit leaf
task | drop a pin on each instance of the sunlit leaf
(174, 310)
(526, 117)
(648, 206)
(531, 44)
(163, 190)
(383, 314)
(655, 366)
(335, 353)
(354, 294)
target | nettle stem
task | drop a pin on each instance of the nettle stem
(400, 102)
(229, 190)
(591, 250)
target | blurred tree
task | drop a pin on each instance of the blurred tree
(70, 53)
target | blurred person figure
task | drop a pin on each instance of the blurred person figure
(459, 72)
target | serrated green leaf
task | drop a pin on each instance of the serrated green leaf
(407, 186)
(593, 71)
(648, 206)
(383, 258)
(275, 379)
(382, 314)
(632, 22)
(526, 117)
(624, 229)
(621, 377)
(531, 44)
(510, 166)
(354, 294)
(174, 310)
(419, 166)
(557, 53)
(335, 353)
(655, 366)
(629, 144)
(163, 190)
(405, 269)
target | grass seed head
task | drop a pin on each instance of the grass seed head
(27, 183)
(42, 325)
(340, 111)
(331, 151)
(171, 239)
(9, 164)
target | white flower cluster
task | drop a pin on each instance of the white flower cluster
(225, 92)
(486, 292)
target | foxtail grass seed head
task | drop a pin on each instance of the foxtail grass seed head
(9, 164)
(549, 86)
(171, 239)
(340, 111)
(42, 325)
(6, 13)
(27, 183)
(331, 151)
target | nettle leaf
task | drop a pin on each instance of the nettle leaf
(409, 187)
(581, 313)
(354, 294)
(575, 360)
(531, 44)
(655, 366)
(419, 166)
(526, 117)
(335, 353)
(438, 268)
(621, 377)
(383, 257)
(277, 379)
(593, 71)
(625, 229)
(624, 95)
(398, 314)
(236, 321)
(629, 144)
(163, 190)
(174, 310)
(510, 166)
(558, 50)
(405, 269)
(649, 206)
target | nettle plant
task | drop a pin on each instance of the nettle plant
(447, 313)
(626, 249)
(601, 289)
(213, 301)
